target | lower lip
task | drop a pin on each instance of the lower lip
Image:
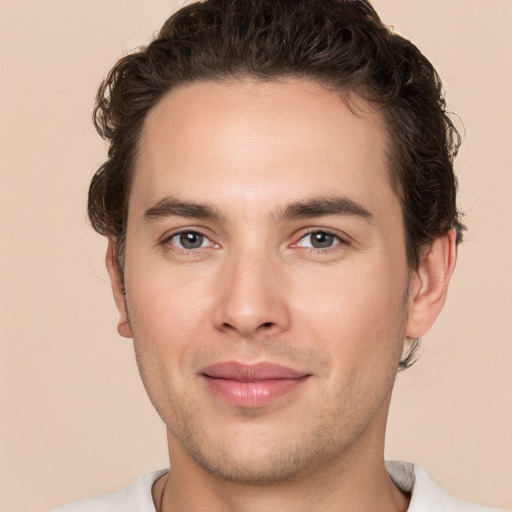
(252, 394)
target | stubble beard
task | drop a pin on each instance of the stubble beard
(276, 461)
(322, 439)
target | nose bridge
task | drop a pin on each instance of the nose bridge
(251, 298)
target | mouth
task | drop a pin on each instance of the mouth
(251, 385)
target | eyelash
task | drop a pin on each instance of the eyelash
(190, 251)
(183, 250)
(340, 240)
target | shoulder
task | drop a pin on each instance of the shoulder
(426, 494)
(136, 497)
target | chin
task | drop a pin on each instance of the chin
(274, 469)
(258, 459)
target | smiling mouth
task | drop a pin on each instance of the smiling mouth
(251, 385)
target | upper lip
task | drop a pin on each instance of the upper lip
(242, 372)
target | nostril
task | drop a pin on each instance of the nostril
(267, 325)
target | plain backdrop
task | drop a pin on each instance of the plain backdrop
(75, 419)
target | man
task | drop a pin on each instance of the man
(279, 200)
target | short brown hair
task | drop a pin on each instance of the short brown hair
(340, 44)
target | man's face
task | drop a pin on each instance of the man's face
(266, 277)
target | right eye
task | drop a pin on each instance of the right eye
(189, 240)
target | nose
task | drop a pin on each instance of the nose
(251, 298)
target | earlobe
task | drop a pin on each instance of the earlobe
(429, 284)
(116, 281)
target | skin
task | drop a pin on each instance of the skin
(256, 289)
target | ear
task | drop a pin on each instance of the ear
(429, 284)
(116, 281)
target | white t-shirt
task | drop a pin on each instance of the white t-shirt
(427, 496)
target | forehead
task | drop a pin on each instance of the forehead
(258, 142)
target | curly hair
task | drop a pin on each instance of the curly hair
(340, 44)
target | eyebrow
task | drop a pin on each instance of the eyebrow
(307, 208)
(172, 207)
(323, 207)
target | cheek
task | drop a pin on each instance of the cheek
(166, 297)
(355, 297)
(358, 317)
(168, 314)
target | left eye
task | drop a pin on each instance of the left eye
(319, 240)
(190, 240)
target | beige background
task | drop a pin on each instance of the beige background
(75, 420)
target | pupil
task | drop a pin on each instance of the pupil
(322, 240)
(191, 240)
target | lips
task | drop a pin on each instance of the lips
(252, 385)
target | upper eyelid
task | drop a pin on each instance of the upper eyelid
(169, 246)
(321, 230)
(342, 236)
(178, 231)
